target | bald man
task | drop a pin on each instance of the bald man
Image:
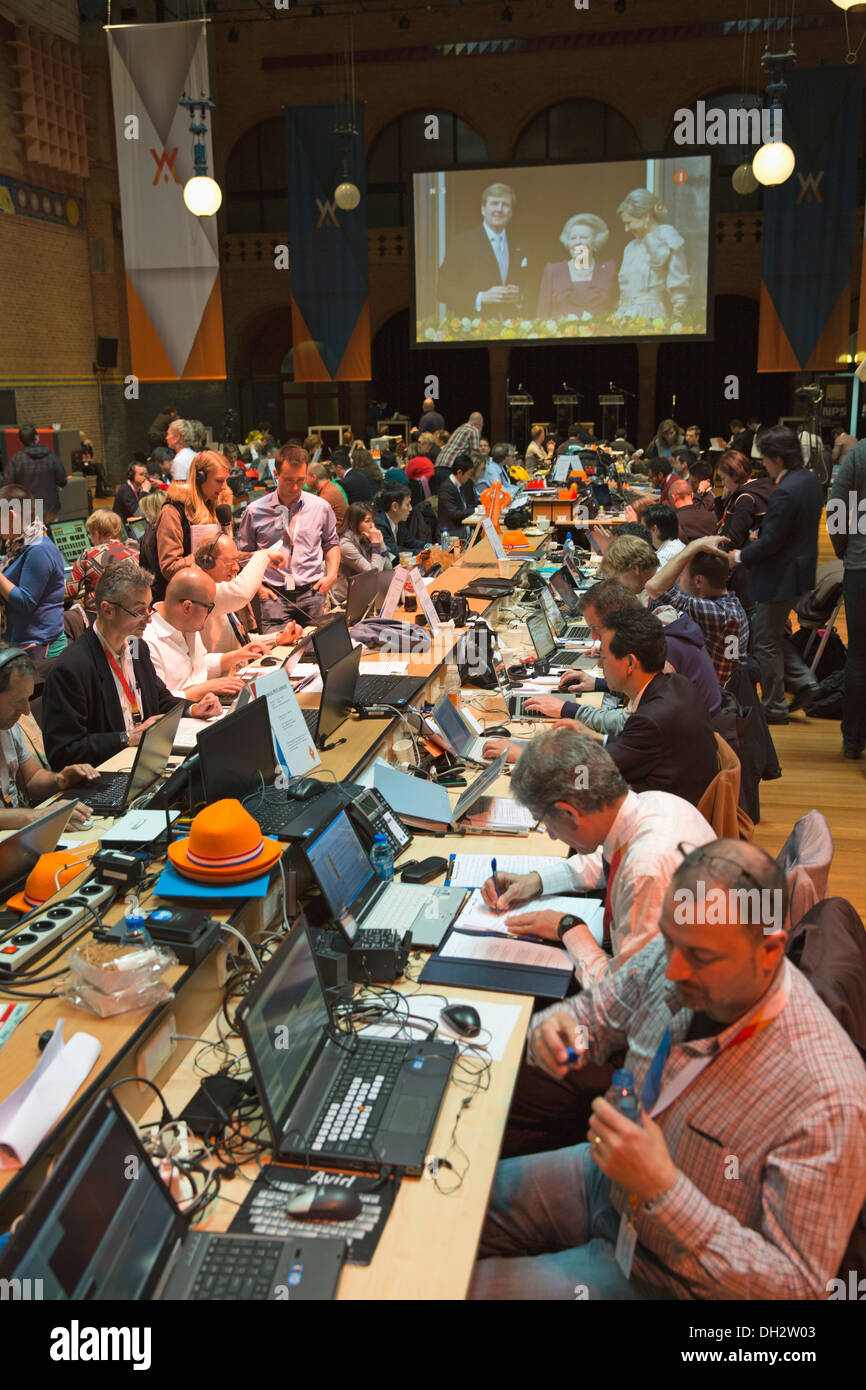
(431, 420)
(173, 637)
(464, 439)
(693, 518)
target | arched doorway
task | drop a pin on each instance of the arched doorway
(578, 130)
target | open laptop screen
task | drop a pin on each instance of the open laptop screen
(551, 612)
(340, 864)
(540, 633)
(453, 725)
(98, 1227)
(331, 643)
(283, 1022)
(236, 754)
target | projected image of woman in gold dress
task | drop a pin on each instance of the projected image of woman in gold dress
(654, 276)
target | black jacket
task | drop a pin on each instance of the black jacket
(126, 501)
(667, 745)
(744, 510)
(452, 509)
(358, 485)
(430, 422)
(470, 267)
(783, 560)
(405, 540)
(40, 471)
(82, 721)
(743, 441)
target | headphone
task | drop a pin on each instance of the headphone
(200, 473)
(13, 654)
(208, 560)
(130, 471)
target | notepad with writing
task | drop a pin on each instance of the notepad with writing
(499, 814)
(475, 916)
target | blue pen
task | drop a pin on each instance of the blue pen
(495, 879)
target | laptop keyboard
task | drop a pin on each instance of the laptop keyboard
(236, 1269)
(360, 1091)
(311, 719)
(577, 632)
(395, 910)
(110, 792)
(267, 1216)
(384, 690)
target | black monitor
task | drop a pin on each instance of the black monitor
(236, 754)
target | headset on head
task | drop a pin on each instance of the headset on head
(130, 470)
(13, 654)
(208, 560)
(200, 473)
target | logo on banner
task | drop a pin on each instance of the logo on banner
(809, 185)
(326, 210)
(165, 165)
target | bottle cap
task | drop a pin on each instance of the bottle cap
(622, 1080)
(380, 838)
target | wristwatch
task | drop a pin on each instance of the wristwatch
(124, 740)
(566, 923)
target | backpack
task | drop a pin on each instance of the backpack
(827, 704)
(833, 657)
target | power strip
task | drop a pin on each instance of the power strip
(41, 933)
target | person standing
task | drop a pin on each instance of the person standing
(319, 479)
(481, 272)
(466, 439)
(849, 543)
(180, 438)
(781, 564)
(157, 432)
(37, 469)
(431, 420)
(32, 578)
(304, 525)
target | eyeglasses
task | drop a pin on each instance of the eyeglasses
(208, 606)
(709, 858)
(137, 613)
(545, 813)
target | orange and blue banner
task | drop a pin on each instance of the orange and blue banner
(173, 295)
(328, 248)
(809, 271)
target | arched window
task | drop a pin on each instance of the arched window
(402, 149)
(582, 131)
(256, 180)
(728, 157)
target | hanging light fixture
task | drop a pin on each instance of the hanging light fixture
(201, 193)
(743, 179)
(347, 195)
(848, 4)
(774, 161)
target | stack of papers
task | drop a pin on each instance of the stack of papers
(500, 813)
(477, 917)
(473, 870)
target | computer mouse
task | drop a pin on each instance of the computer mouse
(462, 1019)
(497, 731)
(269, 661)
(312, 1203)
(83, 824)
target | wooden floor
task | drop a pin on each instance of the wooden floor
(816, 776)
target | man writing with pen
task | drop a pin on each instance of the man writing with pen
(624, 843)
(306, 528)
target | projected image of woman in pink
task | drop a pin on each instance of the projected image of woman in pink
(583, 283)
(654, 276)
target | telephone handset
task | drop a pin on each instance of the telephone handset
(371, 815)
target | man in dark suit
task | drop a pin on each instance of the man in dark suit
(128, 495)
(782, 564)
(453, 508)
(431, 420)
(103, 691)
(667, 742)
(744, 439)
(358, 485)
(484, 274)
(395, 506)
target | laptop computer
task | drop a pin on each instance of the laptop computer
(236, 755)
(357, 1103)
(332, 643)
(71, 539)
(113, 792)
(545, 644)
(559, 625)
(136, 526)
(20, 850)
(370, 913)
(454, 726)
(365, 594)
(91, 1234)
(560, 470)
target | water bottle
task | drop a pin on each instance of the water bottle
(382, 858)
(621, 1094)
(568, 548)
(135, 933)
(452, 685)
(444, 540)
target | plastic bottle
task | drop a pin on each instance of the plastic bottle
(444, 540)
(452, 685)
(568, 548)
(621, 1094)
(134, 930)
(382, 858)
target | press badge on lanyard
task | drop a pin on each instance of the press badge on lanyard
(291, 530)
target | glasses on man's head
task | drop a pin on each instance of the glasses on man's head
(209, 606)
(709, 858)
(137, 613)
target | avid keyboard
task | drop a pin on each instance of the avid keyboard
(358, 1094)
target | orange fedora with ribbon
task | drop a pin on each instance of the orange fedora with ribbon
(225, 845)
(49, 874)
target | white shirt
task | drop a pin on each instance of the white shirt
(180, 464)
(124, 660)
(231, 595)
(648, 829)
(13, 752)
(667, 550)
(179, 658)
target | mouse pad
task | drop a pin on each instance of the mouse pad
(264, 1210)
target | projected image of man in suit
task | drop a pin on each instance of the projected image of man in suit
(481, 271)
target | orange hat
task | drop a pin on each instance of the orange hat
(49, 874)
(225, 845)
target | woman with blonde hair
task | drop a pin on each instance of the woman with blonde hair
(654, 278)
(315, 447)
(192, 503)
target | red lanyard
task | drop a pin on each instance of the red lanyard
(127, 688)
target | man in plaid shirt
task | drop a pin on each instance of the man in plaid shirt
(695, 582)
(462, 441)
(746, 1174)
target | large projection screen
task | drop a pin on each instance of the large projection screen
(613, 251)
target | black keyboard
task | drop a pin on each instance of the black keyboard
(357, 1099)
(110, 791)
(385, 690)
(311, 719)
(375, 939)
(577, 632)
(233, 1269)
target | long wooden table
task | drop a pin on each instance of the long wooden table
(428, 1247)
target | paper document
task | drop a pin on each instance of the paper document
(394, 596)
(189, 729)
(473, 870)
(293, 744)
(501, 814)
(383, 668)
(477, 917)
(138, 827)
(34, 1107)
(503, 950)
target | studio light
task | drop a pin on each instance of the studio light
(773, 163)
(743, 179)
